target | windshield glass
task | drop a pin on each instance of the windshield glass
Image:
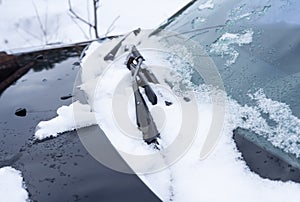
(255, 46)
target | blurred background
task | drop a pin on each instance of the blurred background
(37, 23)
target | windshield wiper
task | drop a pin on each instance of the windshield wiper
(141, 78)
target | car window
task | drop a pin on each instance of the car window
(255, 46)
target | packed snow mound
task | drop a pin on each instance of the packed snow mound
(12, 188)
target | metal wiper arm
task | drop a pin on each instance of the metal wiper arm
(144, 119)
(112, 54)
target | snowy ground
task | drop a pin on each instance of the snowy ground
(11, 186)
(33, 23)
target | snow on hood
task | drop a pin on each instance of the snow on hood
(12, 187)
(222, 176)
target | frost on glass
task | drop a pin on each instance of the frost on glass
(224, 46)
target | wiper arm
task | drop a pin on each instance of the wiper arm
(134, 62)
(112, 54)
(144, 119)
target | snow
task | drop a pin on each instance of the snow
(65, 121)
(222, 176)
(224, 46)
(117, 96)
(11, 186)
(287, 125)
(20, 28)
(207, 5)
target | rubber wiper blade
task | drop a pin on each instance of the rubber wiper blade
(144, 119)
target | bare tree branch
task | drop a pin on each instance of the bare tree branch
(81, 29)
(112, 27)
(46, 20)
(27, 32)
(96, 5)
(87, 22)
(55, 35)
(40, 23)
(77, 16)
(89, 17)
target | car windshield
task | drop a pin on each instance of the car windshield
(255, 46)
(65, 109)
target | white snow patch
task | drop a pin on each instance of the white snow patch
(207, 5)
(12, 186)
(65, 121)
(286, 132)
(224, 45)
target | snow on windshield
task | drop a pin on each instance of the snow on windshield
(225, 166)
(224, 172)
(207, 5)
(224, 45)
